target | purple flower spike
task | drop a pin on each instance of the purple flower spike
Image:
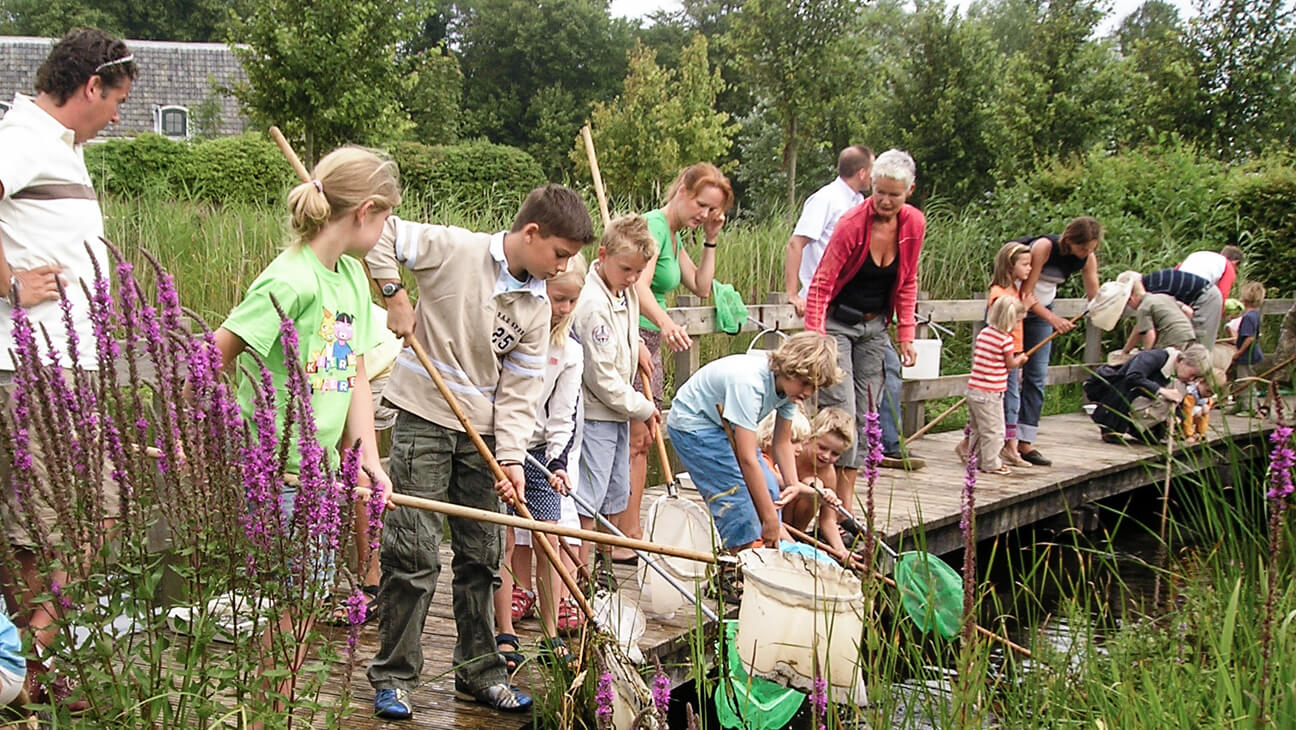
(603, 699)
(661, 694)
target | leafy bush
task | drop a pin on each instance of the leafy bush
(248, 168)
(145, 164)
(1262, 194)
(478, 172)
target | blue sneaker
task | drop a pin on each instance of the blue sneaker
(502, 697)
(393, 704)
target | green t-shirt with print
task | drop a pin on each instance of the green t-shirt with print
(331, 311)
(666, 276)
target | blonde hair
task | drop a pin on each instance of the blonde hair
(835, 422)
(1253, 294)
(810, 356)
(765, 429)
(697, 176)
(1135, 281)
(1213, 381)
(628, 234)
(1005, 261)
(1004, 313)
(347, 178)
(573, 274)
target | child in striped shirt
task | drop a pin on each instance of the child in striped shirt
(993, 355)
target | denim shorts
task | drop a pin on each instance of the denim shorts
(712, 466)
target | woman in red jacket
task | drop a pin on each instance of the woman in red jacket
(867, 276)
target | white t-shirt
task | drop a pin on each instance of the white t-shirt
(48, 214)
(818, 218)
(1209, 265)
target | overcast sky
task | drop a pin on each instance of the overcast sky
(1120, 8)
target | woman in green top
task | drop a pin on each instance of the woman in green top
(699, 196)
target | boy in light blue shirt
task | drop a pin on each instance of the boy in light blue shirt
(741, 492)
(13, 666)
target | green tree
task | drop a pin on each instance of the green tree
(663, 120)
(934, 101)
(510, 50)
(1165, 96)
(325, 70)
(1246, 54)
(433, 90)
(780, 48)
(1062, 94)
(170, 20)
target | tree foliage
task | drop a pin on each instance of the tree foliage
(1061, 94)
(325, 71)
(167, 20)
(781, 48)
(532, 70)
(663, 120)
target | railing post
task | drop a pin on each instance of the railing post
(688, 361)
(913, 414)
(1093, 349)
(769, 341)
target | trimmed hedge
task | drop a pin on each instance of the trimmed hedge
(249, 168)
(473, 172)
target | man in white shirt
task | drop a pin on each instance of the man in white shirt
(818, 218)
(49, 214)
(1220, 269)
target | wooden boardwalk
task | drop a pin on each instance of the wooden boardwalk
(1084, 470)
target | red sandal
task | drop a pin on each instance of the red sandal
(523, 603)
(570, 618)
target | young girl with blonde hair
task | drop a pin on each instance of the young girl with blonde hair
(993, 355)
(1011, 267)
(325, 293)
(553, 443)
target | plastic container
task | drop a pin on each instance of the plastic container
(794, 609)
(928, 363)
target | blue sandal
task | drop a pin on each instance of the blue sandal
(512, 658)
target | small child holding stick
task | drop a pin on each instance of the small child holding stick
(993, 355)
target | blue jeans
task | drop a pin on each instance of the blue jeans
(1012, 403)
(889, 417)
(714, 469)
(1033, 375)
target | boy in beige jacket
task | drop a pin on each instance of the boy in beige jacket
(606, 322)
(483, 317)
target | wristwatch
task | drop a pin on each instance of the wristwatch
(390, 288)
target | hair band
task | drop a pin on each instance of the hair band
(318, 186)
(124, 59)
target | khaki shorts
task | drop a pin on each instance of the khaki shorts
(15, 516)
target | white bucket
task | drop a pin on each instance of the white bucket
(795, 608)
(683, 523)
(928, 364)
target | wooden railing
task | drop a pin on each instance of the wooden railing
(699, 319)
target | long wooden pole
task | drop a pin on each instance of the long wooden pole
(588, 137)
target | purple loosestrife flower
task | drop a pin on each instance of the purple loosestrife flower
(357, 609)
(819, 701)
(56, 589)
(1281, 460)
(967, 525)
(872, 460)
(603, 698)
(661, 693)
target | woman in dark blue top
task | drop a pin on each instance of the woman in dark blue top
(1053, 260)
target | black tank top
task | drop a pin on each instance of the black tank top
(869, 291)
